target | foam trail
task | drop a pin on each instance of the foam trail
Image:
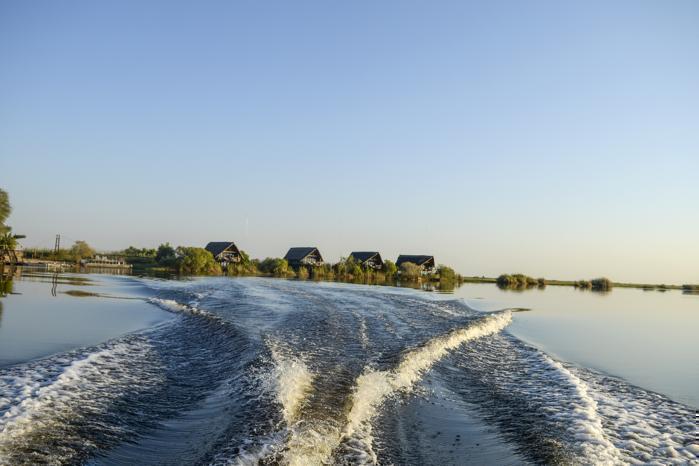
(373, 387)
(38, 406)
(586, 425)
(292, 382)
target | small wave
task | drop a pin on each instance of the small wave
(645, 426)
(45, 403)
(584, 423)
(173, 306)
(558, 413)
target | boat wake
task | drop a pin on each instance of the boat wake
(320, 440)
(280, 372)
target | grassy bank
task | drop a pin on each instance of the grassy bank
(521, 281)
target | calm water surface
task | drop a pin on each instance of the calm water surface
(38, 318)
(646, 337)
(265, 371)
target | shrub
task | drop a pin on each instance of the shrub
(302, 274)
(389, 268)
(541, 282)
(196, 261)
(81, 250)
(355, 270)
(446, 274)
(410, 271)
(583, 284)
(601, 284)
(516, 280)
(690, 287)
(165, 255)
(275, 266)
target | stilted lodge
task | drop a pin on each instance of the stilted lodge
(426, 263)
(225, 252)
(368, 259)
(296, 257)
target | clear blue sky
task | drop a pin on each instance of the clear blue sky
(559, 139)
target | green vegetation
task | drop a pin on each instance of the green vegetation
(521, 282)
(5, 284)
(302, 273)
(8, 244)
(601, 284)
(410, 272)
(143, 252)
(390, 268)
(8, 241)
(517, 281)
(196, 261)
(276, 267)
(244, 267)
(165, 255)
(446, 274)
(350, 270)
(5, 209)
(81, 250)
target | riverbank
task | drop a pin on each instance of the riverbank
(577, 284)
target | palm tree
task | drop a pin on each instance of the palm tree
(8, 245)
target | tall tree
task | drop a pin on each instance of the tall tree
(5, 210)
(8, 244)
(81, 250)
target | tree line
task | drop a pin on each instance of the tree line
(199, 261)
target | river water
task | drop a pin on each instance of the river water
(265, 371)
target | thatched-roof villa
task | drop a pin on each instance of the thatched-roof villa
(369, 259)
(225, 252)
(426, 263)
(297, 257)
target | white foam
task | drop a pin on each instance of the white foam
(38, 397)
(173, 306)
(645, 426)
(602, 419)
(315, 446)
(292, 381)
(584, 423)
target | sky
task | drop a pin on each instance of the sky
(557, 139)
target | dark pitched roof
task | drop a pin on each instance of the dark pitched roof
(417, 260)
(217, 247)
(296, 254)
(363, 256)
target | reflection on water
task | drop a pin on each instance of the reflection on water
(6, 276)
(645, 337)
(43, 313)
